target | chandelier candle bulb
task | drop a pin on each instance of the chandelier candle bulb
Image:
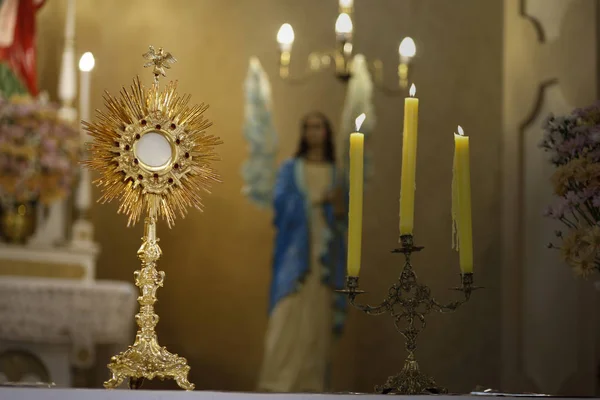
(409, 163)
(407, 50)
(285, 37)
(355, 209)
(343, 27)
(461, 202)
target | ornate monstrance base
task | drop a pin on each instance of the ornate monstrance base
(410, 381)
(135, 364)
(146, 359)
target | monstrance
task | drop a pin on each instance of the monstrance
(153, 154)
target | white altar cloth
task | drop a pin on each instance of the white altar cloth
(7, 393)
(63, 311)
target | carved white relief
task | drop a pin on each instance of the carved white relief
(548, 14)
(51, 224)
(550, 291)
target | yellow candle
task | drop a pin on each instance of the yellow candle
(356, 199)
(461, 202)
(409, 163)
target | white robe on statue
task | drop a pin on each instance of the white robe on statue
(299, 334)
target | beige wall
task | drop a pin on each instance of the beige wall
(213, 305)
(549, 317)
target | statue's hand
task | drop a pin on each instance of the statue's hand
(338, 202)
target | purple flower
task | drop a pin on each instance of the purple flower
(62, 164)
(44, 129)
(594, 134)
(52, 147)
(48, 161)
(588, 193)
(573, 146)
(558, 210)
(574, 198)
(49, 145)
(590, 113)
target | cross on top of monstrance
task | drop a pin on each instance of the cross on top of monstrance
(159, 60)
(154, 156)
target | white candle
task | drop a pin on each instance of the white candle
(67, 82)
(83, 195)
(86, 64)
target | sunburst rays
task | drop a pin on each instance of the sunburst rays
(171, 190)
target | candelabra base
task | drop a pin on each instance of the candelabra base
(408, 302)
(146, 359)
(410, 381)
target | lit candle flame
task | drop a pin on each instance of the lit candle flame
(413, 90)
(359, 121)
(460, 131)
(86, 62)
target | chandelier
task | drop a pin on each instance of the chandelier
(342, 56)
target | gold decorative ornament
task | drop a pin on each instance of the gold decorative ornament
(153, 155)
(17, 222)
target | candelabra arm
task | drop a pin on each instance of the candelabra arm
(376, 70)
(316, 62)
(466, 287)
(449, 307)
(379, 309)
(352, 291)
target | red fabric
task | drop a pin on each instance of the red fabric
(20, 55)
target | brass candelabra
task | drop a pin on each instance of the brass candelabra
(408, 302)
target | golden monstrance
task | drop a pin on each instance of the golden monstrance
(153, 154)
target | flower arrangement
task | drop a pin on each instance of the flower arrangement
(38, 152)
(573, 142)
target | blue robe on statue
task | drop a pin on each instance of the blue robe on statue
(291, 260)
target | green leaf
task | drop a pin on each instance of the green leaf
(10, 83)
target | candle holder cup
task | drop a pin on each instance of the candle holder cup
(408, 302)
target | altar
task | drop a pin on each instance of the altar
(95, 394)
